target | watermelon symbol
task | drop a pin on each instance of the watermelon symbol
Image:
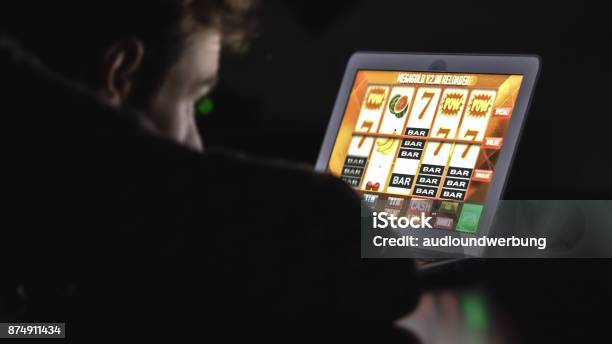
(398, 105)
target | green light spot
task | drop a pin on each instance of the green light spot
(475, 312)
(205, 106)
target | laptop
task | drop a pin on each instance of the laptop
(431, 135)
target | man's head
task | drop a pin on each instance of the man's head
(158, 57)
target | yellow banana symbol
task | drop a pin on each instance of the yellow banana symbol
(385, 146)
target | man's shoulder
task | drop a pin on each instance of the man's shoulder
(275, 177)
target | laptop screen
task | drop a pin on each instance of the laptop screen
(423, 142)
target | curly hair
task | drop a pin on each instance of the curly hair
(70, 36)
(234, 18)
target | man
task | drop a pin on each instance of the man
(158, 57)
(122, 233)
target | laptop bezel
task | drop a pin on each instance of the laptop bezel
(526, 65)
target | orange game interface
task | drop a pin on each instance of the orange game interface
(415, 142)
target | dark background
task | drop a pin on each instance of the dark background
(276, 99)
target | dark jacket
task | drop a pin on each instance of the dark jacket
(122, 234)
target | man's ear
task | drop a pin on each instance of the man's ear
(121, 61)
